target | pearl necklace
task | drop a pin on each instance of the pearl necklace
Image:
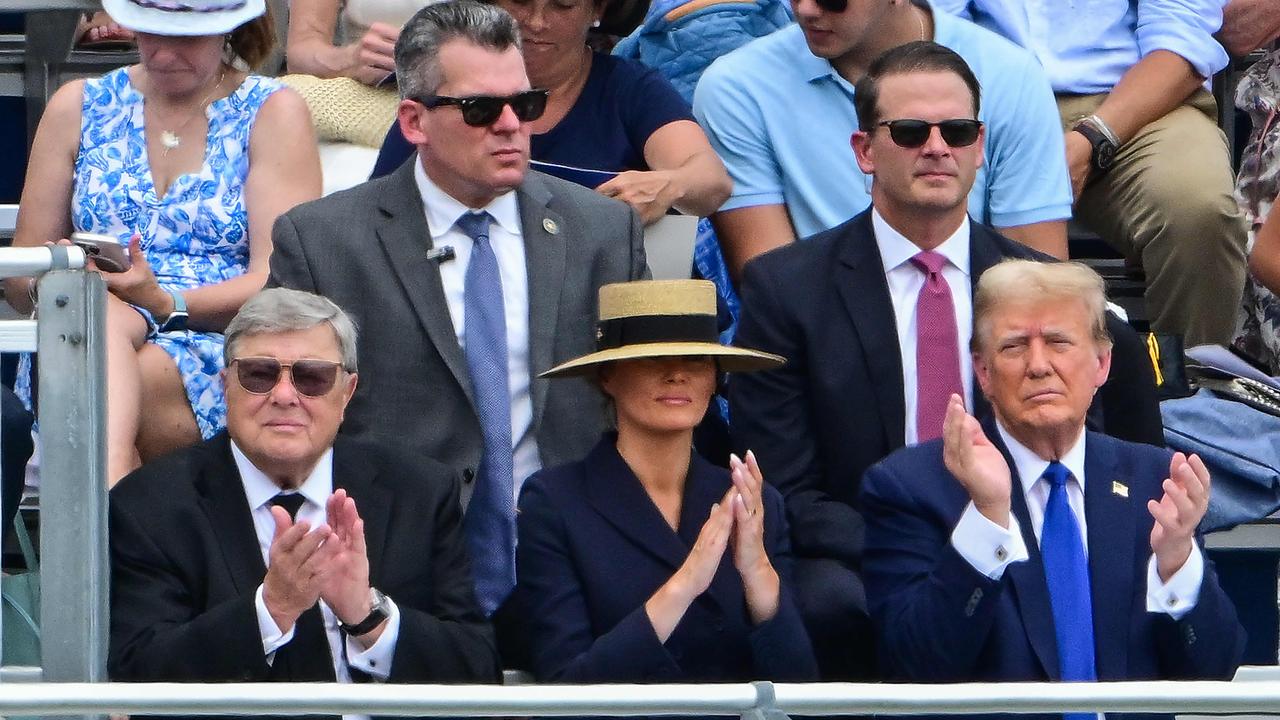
(171, 139)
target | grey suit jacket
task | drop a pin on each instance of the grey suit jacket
(366, 249)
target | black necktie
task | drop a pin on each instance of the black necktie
(305, 658)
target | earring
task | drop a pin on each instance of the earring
(595, 23)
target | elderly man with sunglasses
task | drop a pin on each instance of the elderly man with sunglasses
(874, 316)
(278, 552)
(469, 275)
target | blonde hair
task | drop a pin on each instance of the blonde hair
(1022, 281)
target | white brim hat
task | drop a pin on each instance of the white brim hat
(661, 318)
(183, 17)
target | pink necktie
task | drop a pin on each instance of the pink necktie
(937, 347)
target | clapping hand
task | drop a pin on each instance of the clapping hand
(976, 463)
(1178, 513)
(299, 566)
(759, 580)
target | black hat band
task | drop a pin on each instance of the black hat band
(646, 329)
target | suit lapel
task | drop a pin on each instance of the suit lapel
(983, 253)
(862, 286)
(546, 248)
(615, 492)
(1031, 592)
(402, 231)
(355, 473)
(1111, 530)
(223, 501)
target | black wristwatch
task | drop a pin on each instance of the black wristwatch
(1104, 150)
(177, 319)
(379, 610)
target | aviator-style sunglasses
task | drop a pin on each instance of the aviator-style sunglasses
(961, 132)
(311, 378)
(481, 110)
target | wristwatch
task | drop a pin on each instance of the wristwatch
(1104, 145)
(379, 610)
(177, 319)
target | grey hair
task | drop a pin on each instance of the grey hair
(280, 310)
(1013, 281)
(417, 53)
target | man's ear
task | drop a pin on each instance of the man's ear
(982, 371)
(861, 143)
(409, 114)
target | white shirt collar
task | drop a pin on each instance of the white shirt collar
(259, 489)
(442, 210)
(1031, 466)
(896, 249)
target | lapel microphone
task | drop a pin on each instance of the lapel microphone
(441, 255)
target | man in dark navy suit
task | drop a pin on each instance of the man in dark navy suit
(864, 377)
(1026, 547)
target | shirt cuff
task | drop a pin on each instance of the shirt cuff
(985, 545)
(272, 638)
(1179, 596)
(376, 660)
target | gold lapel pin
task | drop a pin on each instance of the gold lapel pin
(1119, 488)
(550, 226)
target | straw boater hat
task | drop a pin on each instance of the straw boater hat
(183, 17)
(661, 318)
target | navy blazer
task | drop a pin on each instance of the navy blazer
(817, 423)
(593, 548)
(940, 620)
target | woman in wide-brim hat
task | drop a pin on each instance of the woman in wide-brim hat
(644, 562)
(185, 159)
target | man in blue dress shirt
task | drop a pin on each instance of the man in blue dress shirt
(1150, 170)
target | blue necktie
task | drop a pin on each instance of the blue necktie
(490, 522)
(1066, 569)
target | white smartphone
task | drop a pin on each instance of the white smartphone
(105, 251)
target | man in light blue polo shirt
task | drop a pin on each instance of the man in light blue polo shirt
(1150, 169)
(779, 111)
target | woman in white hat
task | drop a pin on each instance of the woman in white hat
(186, 160)
(644, 562)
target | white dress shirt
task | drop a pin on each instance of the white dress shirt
(990, 548)
(316, 489)
(905, 282)
(507, 239)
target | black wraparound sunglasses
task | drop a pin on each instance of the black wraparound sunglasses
(961, 132)
(481, 110)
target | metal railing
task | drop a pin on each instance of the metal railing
(69, 335)
(754, 701)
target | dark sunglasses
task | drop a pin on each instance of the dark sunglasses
(835, 6)
(312, 378)
(481, 110)
(960, 132)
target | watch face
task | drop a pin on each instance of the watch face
(1106, 155)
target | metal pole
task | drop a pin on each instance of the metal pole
(73, 492)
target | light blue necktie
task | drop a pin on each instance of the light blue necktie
(1066, 569)
(490, 522)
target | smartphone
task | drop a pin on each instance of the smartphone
(105, 251)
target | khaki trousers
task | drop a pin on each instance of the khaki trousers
(1168, 204)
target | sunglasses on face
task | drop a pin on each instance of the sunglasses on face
(481, 110)
(835, 6)
(311, 378)
(960, 132)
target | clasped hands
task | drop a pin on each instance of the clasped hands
(980, 467)
(328, 562)
(736, 522)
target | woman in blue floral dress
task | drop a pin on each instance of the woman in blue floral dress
(188, 160)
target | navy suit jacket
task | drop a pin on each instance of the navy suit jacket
(817, 423)
(593, 548)
(940, 620)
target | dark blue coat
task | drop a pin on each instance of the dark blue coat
(940, 620)
(593, 548)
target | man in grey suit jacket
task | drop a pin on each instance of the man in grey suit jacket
(399, 255)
